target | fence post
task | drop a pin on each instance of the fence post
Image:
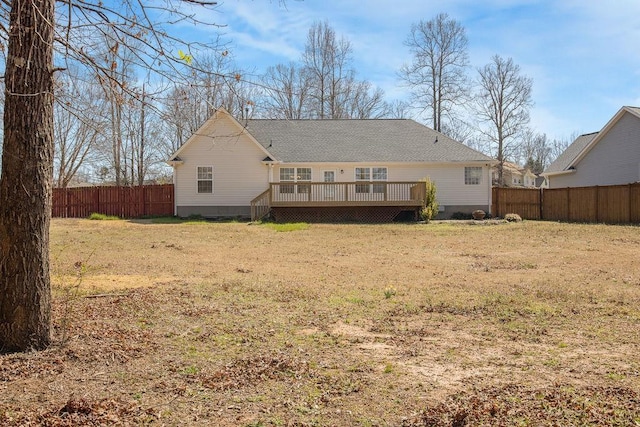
(67, 202)
(597, 204)
(541, 202)
(497, 201)
(630, 204)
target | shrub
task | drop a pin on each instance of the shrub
(461, 215)
(430, 207)
(512, 217)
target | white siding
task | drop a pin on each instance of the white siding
(613, 160)
(449, 178)
(238, 172)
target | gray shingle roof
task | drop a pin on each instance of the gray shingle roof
(565, 159)
(386, 140)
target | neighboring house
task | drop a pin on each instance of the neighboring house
(513, 176)
(228, 168)
(608, 157)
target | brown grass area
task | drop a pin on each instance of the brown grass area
(234, 324)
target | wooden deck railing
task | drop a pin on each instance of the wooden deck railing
(335, 194)
(260, 205)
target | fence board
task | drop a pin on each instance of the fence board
(123, 202)
(613, 204)
(525, 202)
(583, 206)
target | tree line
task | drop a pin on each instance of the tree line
(114, 123)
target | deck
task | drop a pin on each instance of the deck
(407, 195)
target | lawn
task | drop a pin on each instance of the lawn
(236, 324)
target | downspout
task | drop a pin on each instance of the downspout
(490, 189)
(175, 191)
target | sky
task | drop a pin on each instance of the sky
(583, 55)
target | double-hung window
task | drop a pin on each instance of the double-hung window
(370, 175)
(205, 180)
(363, 174)
(472, 175)
(303, 175)
(293, 176)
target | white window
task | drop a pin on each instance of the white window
(303, 175)
(295, 175)
(205, 179)
(370, 175)
(473, 175)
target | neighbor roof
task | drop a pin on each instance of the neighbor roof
(564, 160)
(584, 143)
(373, 140)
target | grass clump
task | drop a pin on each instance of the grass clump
(286, 227)
(102, 217)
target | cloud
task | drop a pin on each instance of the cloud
(581, 54)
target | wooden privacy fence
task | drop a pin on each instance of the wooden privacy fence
(123, 202)
(613, 204)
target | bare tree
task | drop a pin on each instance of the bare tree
(287, 92)
(398, 109)
(459, 130)
(438, 72)
(362, 101)
(326, 62)
(27, 158)
(535, 151)
(79, 123)
(187, 106)
(503, 105)
(324, 86)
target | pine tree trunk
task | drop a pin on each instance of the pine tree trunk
(27, 176)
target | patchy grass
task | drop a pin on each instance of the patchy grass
(228, 324)
(291, 226)
(102, 217)
(196, 219)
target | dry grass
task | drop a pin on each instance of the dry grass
(416, 325)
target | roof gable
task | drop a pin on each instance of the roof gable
(565, 160)
(372, 140)
(569, 159)
(219, 114)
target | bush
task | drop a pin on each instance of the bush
(430, 208)
(461, 215)
(512, 217)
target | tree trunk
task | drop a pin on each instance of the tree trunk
(27, 176)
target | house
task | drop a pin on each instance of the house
(608, 157)
(513, 176)
(324, 170)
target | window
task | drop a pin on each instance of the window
(295, 175)
(287, 174)
(473, 175)
(379, 174)
(205, 179)
(303, 174)
(363, 174)
(370, 174)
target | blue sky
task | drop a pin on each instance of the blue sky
(583, 55)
